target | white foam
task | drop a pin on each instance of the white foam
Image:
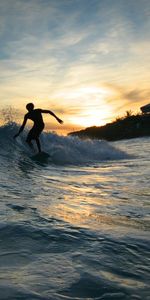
(76, 151)
(62, 149)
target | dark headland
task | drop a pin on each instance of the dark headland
(127, 127)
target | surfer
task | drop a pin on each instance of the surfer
(36, 116)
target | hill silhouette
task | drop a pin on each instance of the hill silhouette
(127, 127)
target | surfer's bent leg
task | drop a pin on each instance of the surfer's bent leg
(38, 144)
(37, 134)
(34, 135)
(29, 138)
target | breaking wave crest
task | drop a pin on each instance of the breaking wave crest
(62, 149)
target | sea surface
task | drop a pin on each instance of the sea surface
(74, 225)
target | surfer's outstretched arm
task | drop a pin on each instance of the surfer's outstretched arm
(22, 127)
(52, 114)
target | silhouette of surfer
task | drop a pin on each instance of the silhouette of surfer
(36, 116)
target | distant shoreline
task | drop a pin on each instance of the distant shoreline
(127, 127)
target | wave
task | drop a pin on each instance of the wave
(62, 149)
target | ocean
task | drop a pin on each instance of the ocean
(74, 225)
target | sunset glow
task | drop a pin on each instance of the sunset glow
(88, 61)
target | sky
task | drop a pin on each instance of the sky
(86, 60)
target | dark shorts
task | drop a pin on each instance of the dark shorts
(34, 133)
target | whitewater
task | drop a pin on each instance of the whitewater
(74, 225)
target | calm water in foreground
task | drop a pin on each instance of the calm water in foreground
(74, 225)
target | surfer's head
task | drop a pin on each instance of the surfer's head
(30, 106)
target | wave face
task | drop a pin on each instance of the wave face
(62, 149)
(77, 230)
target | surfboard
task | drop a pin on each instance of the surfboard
(41, 157)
